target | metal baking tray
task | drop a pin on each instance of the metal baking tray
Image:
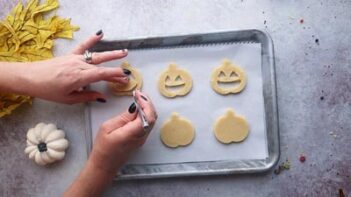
(213, 167)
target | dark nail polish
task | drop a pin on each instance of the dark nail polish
(126, 71)
(101, 100)
(99, 32)
(143, 97)
(132, 108)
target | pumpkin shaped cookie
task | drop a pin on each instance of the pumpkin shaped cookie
(177, 131)
(231, 128)
(230, 74)
(135, 82)
(174, 82)
(46, 144)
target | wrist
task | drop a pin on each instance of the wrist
(100, 169)
(104, 165)
(91, 181)
(13, 78)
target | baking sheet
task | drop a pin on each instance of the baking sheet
(202, 106)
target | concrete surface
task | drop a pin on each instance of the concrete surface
(314, 96)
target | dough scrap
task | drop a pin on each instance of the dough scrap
(231, 128)
(135, 82)
(174, 82)
(177, 131)
(228, 73)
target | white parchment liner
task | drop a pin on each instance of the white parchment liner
(202, 106)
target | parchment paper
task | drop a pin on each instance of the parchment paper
(202, 106)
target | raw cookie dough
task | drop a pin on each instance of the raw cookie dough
(174, 82)
(230, 74)
(231, 128)
(177, 131)
(135, 82)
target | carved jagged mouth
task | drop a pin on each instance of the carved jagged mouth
(174, 88)
(227, 84)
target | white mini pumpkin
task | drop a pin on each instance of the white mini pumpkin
(46, 144)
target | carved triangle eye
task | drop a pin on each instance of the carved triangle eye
(178, 78)
(221, 74)
(233, 74)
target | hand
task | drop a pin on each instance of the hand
(120, 136)
(115, 141)
(63, 79)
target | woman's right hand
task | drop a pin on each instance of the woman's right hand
(120, 136)
(115, 141)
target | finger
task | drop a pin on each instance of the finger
(134, 129)
(147, 106)
(102, 73)
(85, 96)
(121, 120)
(130, 131)
(100, 57)
(87, 44)
(84, 65)
(120, 80)
(146, 97)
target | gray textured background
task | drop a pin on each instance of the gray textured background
(314, 96)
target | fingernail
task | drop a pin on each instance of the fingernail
(126, 71)
(98, 33)
(101, 100)
(124, 50)
(143, 97)
(126, 78)
(132, 108)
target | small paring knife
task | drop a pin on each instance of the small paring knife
(141, 113)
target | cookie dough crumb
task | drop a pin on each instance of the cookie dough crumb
(283, 166)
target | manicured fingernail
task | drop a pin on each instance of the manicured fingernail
(126, 78)
(143, 97)
(132, 108)
(126, 71)
(101, 100)
(98, 33)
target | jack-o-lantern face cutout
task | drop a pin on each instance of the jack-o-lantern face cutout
(174, 82)
(228, 78)
(135, 82)
(231, 128)
(177, 131)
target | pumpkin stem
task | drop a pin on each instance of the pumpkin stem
(172, 67)
(175, 115)
(42, 147)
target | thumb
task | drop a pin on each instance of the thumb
(87, 96)
(120, 120)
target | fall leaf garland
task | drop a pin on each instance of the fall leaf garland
(27, 35)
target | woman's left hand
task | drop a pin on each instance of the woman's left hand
(63, 79)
